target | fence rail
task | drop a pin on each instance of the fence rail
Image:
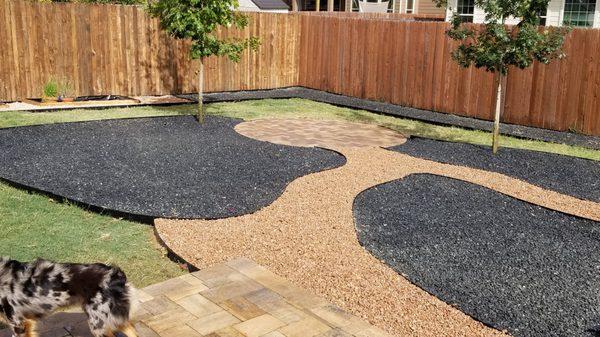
(113, 49)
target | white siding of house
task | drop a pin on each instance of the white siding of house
(554, 15)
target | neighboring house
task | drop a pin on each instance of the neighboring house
(274, 6)
(579, 13)
(395, 6)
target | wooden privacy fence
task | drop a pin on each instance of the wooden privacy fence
(106, 49)
(109, 49)
(409, 63)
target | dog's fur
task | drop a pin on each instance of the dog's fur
(30, 291)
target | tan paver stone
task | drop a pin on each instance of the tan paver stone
(231, 290)
(171, 285)
(159, 305)
(144, 331)
(228, 332)
(218, 275)
(192, 280)
(169, 319)
(143, 296)
(140, 314)
(242, 308)
(180, 331)
(213, 322)
(266, 299)
(259, 326)
(274, 334)
(307, 327)
(337, 332)
(199, 305)
(182, 292)
(288, 314)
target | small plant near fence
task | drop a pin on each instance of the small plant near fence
(50, 91)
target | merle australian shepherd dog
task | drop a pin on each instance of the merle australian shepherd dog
(30, 291)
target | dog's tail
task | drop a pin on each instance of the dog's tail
(126, 302)
(124, 294)
(134, 301)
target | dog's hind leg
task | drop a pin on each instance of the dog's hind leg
(128, 330)
(30, 328)
(23, 327)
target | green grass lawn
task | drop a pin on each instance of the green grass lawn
(282, 108)
(33, 225)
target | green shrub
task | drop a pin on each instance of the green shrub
(51, 88)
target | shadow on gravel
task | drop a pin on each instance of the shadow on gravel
(168, 167)
(567, 175)
(507, 263)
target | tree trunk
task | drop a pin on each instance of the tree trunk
(200, 114)
(499, 111)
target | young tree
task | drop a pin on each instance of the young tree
(198, 20)
(496, 46)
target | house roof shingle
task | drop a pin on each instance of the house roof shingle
(271, 4)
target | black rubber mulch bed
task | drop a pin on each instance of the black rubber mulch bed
(507, 263)
(157, 167)
(567, 175)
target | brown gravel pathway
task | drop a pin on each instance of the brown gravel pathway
(308, 237)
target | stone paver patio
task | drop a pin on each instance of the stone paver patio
(320, 133)
(235, 299)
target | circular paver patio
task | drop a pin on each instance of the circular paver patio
(320, 133)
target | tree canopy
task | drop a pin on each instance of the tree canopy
(496, 46)
(198, 21)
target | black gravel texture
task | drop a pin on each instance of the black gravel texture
(170, 167)
(507, 263)
(567, 175)
(519, 131)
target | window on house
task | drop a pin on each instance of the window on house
(543, 16)
(410, 6)
(465, 10)
(579, 13)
